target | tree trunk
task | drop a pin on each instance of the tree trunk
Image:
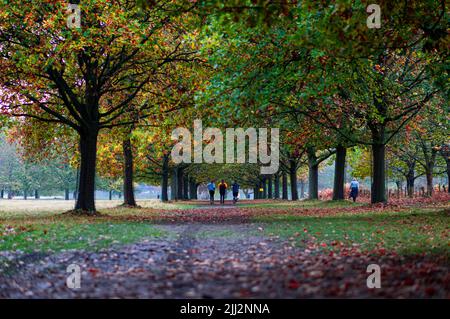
(185, 187)
(269, 188)
(429, 176)
(410, 186)
(277, 186)
(173, 184)
(339, 173)
(179, 183)
(430, 172)
(378, 185)
(128, 187)
(264, 187)
(293, 178)
(302, 188)
(313, 175)
(284, 186)
(25, 194)
(66, 194)
(2, 193)
(10, 194)
(165, 179)
(77, 184)
(448, 174)
(86, 186)
(36, 194)
(192, 189)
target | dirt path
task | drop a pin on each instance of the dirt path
(202, 260)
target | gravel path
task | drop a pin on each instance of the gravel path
(202, 262)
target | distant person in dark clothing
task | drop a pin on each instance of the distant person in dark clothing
(222, 191)
(235, 189)
(212, 189)
(354, 188)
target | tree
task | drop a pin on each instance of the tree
(85, 78)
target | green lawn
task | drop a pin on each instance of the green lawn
(410, 232)
(301, 204)
(72, 235)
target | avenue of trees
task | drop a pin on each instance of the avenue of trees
(99, 103)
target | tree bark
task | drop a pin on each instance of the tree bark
(185, 187)
(284, 186)
(293, 178)
(410, 180)
(264, 187)
(179, 183)
(2, 193)
(25, 194)
(66, 194)
(277, 186)
(174, 184)
(339, 173)
(410, 186)
(256, 192)
(86, 186)
(110, 194)
(313, 175)
(269, 188)
(36, 194)
(429, 169)
(378, 185)
(192, 189)
(165, 179)
(128, 187)
(448, 174)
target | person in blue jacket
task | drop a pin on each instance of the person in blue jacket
(354, 189)
(235, 189)
(212, 189)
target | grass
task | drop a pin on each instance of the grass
(59, 236)
(33, 208)
(411, 232)
(300, 204)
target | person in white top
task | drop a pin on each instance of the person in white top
(354, 188)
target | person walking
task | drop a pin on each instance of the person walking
(354, 188)
(222, 191)
(212, 189)
(235, 189)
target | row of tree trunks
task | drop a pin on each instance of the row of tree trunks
(182, 186)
